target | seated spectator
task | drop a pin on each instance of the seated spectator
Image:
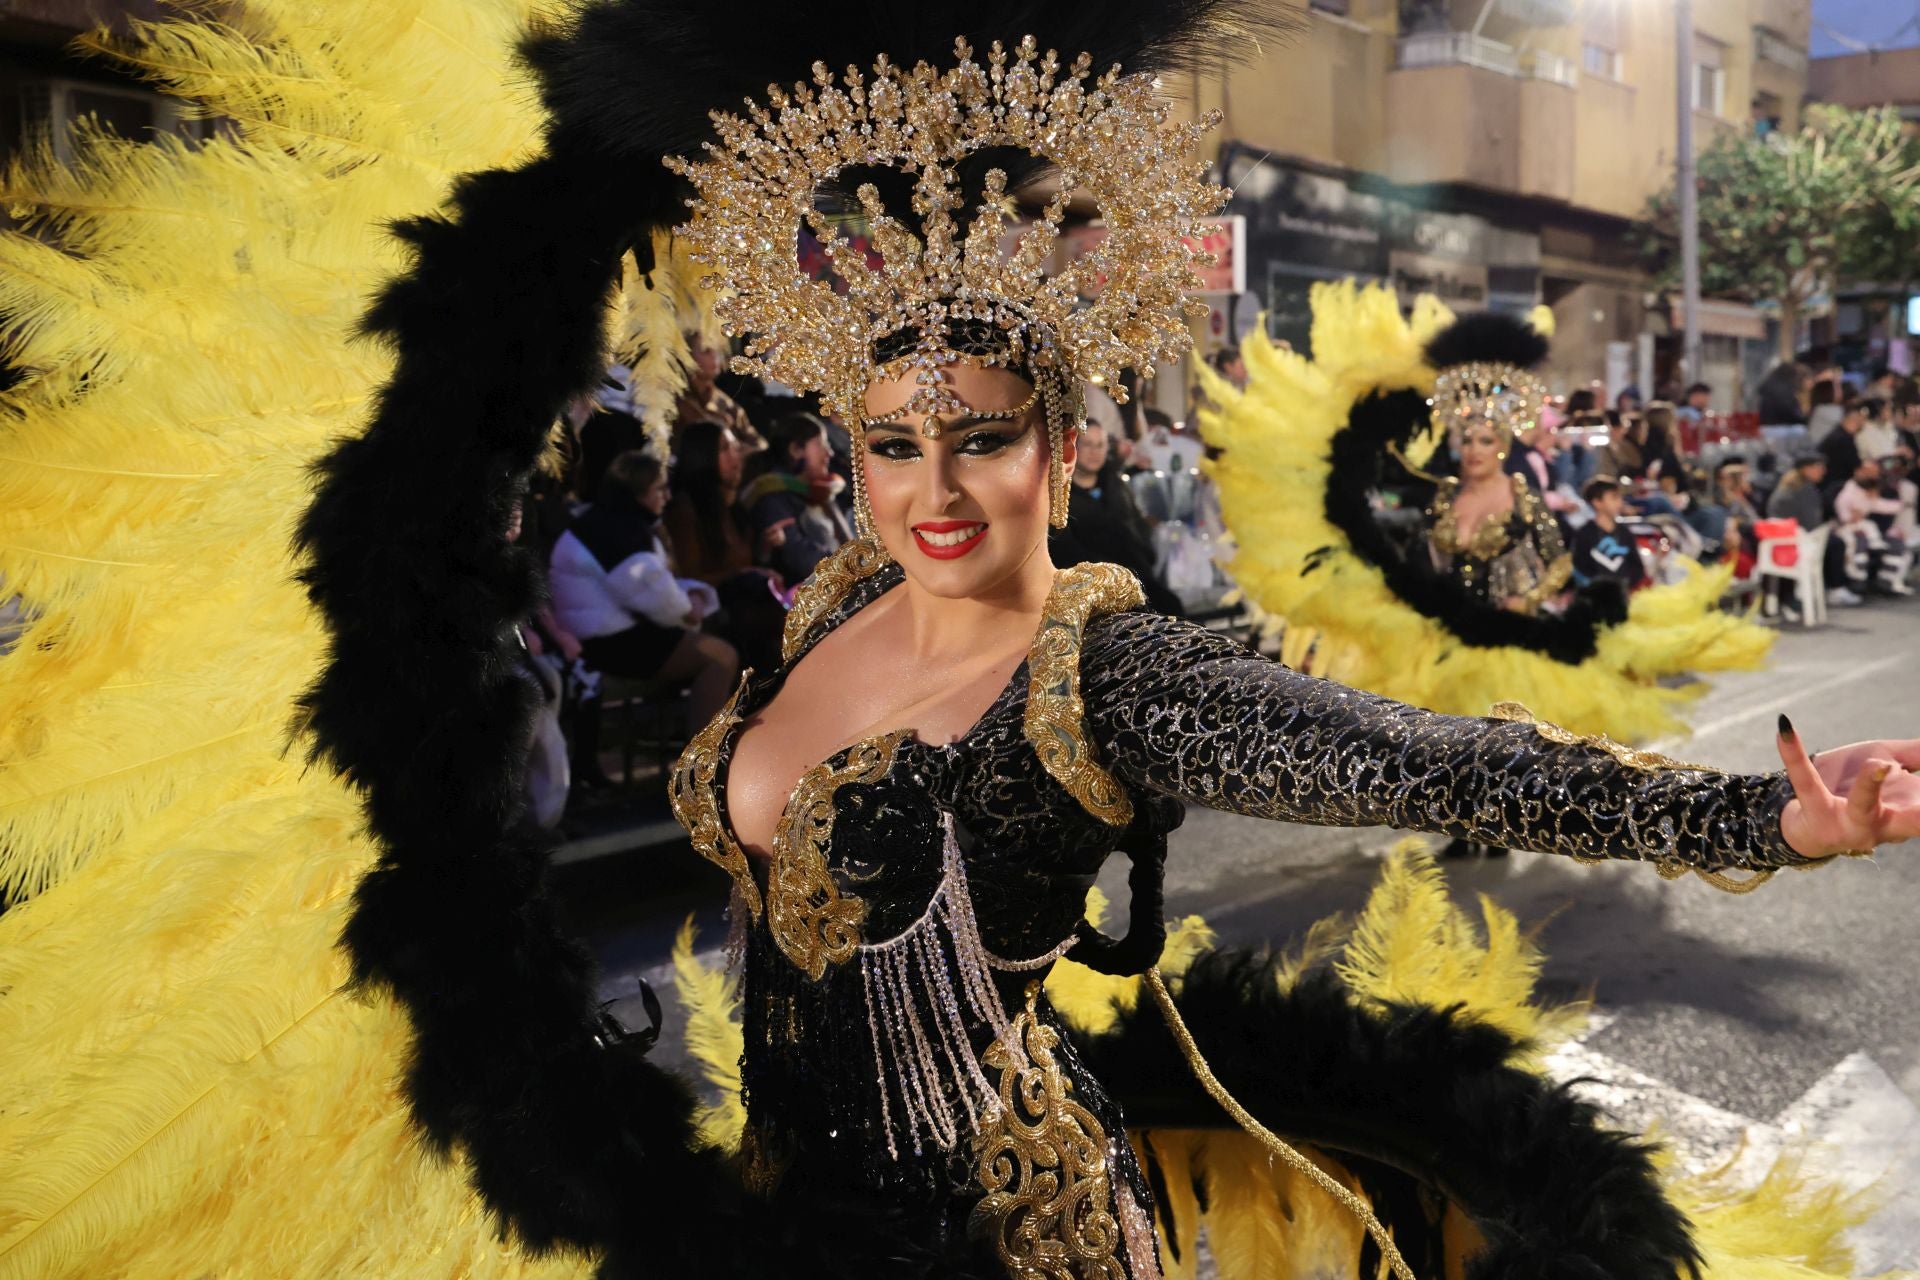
(1601, 547)
(1842, 449)
(1826, 412)
(711, 542)
(1733, 493)
(1697, 403)
(604, 436)
(1800, 497)
(1877, 438)
(1103, 525)
(614, 588)
(704, 401)
(1896, 482)
(1865, 518)
(1639, 454)
(790, 508)
(1906, 428)
(1783, 394)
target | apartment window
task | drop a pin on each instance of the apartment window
(1709, 76)
(1598, 60)
(1768, 112)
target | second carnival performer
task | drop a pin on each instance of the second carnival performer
(1473, 608)
(912, 806)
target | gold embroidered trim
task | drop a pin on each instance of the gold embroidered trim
(812, 923)
(820, 594)
(1275, 1145)
(1056, 716)
(1517, 713)
(1042, 1160)
(694, 806)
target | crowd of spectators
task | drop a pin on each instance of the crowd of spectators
(1634, 504)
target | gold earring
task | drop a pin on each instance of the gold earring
(1058, 493)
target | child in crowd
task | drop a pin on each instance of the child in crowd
(1601, 547)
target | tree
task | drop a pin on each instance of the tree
(1783, 216)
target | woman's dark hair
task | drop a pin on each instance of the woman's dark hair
(1823, 392)
(791, 431)
(631, 473)
(1582, 401)
(1157, 418)
(696, 474)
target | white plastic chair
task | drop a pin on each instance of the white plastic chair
(1806, 572)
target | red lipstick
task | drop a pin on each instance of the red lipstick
(948, 539)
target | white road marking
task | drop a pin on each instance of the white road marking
(1776, 694)
(1856, 1127)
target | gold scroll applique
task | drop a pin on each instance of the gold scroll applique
(821, 593)
(1042, 1160)
(695, 808)
(1517, 713)
(811, 921)
(1056, 716)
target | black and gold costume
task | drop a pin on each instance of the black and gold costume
(866, 1073)
(1520, 556)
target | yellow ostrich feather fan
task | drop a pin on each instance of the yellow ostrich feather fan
(188, 1091)
(1272, 477)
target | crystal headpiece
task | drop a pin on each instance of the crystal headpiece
(1504, 394)
(1108, 137)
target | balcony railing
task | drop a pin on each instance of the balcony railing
(1771, 47)
(1457, 49)
(1551, 66)
(1538, 13)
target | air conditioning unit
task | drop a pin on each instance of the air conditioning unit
(51, 108)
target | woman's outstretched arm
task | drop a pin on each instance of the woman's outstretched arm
(1188, 713)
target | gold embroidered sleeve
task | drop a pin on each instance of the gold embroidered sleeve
(1186, 712)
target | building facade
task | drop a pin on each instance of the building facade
(1498, 153)
(46, 88)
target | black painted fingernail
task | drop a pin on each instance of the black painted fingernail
(1786, 726)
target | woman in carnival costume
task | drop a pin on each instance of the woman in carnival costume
(912, 806)
(1306, 444)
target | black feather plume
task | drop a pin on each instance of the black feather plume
(1487, 336)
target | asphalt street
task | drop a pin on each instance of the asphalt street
(1740, 1024)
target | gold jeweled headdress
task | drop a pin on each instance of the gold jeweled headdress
(944, 294)
(1506, 395)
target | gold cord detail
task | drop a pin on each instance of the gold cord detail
(1266, 1137)
(1632, 758)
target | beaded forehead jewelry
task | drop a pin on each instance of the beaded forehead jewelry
(944, 295)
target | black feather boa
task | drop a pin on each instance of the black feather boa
(1357, 454)
(573, 1138)
(1426, 1092)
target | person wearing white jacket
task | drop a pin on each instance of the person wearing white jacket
(614, 587)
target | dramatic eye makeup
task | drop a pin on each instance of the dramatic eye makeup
(974, 442)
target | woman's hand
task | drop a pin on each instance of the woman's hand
(1852, 798)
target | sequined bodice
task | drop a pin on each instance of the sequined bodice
(908, 882)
